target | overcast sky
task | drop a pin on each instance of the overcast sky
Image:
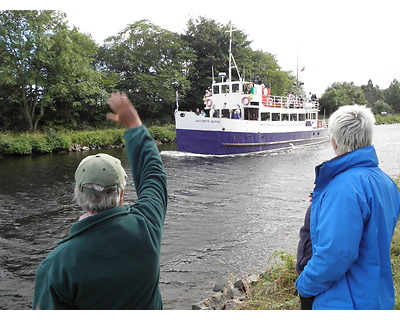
(336, 41)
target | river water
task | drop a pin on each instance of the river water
(225, 214)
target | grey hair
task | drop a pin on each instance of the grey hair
(352, 128)
(98, 203)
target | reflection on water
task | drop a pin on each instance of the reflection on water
(225, 214)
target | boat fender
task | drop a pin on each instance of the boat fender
(209, 102)
(245, 101)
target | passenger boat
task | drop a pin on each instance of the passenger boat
(243, 117)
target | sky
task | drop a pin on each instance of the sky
(335, 41)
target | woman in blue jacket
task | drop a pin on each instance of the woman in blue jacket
(354, 211)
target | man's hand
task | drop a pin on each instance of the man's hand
(124, 111)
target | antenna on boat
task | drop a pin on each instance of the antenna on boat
(231, 58)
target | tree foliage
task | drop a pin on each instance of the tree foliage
(147, 60)
(45, 67)
(210, 42)
(392, 96)
(51, 75)
(372, 93)
(380, 101)
(341, 94)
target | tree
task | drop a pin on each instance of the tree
(44, 63)
(77, 91)
(381, 107)
(341, 94)
(371, 93)
(148, 60)
(392, 95)
(210, 41)
(264, 65)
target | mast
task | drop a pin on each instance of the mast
(230, 53)
(297, 73)
(231, 58)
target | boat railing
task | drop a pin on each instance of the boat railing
(289, 102)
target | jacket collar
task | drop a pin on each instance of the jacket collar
(364, 157)
(85, 224)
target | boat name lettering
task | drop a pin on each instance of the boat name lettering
(208, 121)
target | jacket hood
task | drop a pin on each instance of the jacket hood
(364, 157)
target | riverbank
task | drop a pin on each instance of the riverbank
(52, 141)
(274, 288)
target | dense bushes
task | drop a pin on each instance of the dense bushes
(53, 141)
(164, 134)
(387, 119)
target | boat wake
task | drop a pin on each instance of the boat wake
(180, 154)
(185, 155)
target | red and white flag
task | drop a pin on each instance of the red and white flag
(303, 68)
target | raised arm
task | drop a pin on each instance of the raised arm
(124, 112)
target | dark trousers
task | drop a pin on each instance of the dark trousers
(306, 303)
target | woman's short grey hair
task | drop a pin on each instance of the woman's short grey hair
(352, 128)
(100, 202)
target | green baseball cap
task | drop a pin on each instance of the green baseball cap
(100, 169)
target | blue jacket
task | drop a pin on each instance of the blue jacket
(355, 209)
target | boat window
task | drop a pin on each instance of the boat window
(235, 87)
(246, 88)
(312, 116)
(293, 117)
(225, 113)
(285, 117)
(216, 89)
(302, 117)
(266, 116)
(225, 88)
(275, 117)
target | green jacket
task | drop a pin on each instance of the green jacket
(111, 260)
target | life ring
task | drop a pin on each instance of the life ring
(209, 103)
(245, 101)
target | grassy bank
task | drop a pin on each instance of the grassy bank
(55, 141)
(274, 289)
(387, 119)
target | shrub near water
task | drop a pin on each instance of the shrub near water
(101, 138)
(14, 145)
(165, 134)
(52, 141)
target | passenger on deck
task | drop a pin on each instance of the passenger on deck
(252, 89)
(231, 114)
(236, 115)
(212, 110)
(291, 98)
(203, 114)
(197, 112)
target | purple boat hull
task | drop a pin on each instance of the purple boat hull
(230, 143)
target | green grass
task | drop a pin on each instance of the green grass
(54, 141)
